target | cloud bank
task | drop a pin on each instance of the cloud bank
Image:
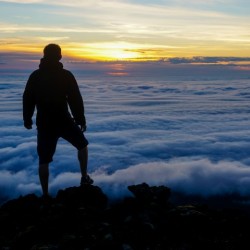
(191, 135)
(186, 175)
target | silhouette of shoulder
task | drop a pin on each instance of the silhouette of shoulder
(60, 75)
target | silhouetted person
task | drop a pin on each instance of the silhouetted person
(51, 89)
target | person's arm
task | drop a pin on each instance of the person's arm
(75, 102)
(28, 104)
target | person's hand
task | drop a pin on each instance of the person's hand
(83, 128)
(28, 125)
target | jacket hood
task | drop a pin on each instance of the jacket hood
(50, 64)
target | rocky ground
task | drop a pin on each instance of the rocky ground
(82, 218)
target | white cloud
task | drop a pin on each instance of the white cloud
(187, 175)
(191, 135)
(192, 176)
(13, 184)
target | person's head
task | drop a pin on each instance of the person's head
(52, 52)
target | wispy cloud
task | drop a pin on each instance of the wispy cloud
(200, 59)
(188, 29)
(21, 1)
(15, 28)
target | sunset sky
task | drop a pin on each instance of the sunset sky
(127, 29)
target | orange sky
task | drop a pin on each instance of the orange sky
(127, 29)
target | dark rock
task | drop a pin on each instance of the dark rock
(87, 195)
(83, 219)
(144, 193)
(24, 204)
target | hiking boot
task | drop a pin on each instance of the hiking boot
(86, 180)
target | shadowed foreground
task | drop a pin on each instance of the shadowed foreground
(82, 218)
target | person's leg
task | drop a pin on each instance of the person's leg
(44, 178)
(74, 135)
(46, 146)
(83, 160)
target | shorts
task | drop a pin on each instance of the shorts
(47, 140)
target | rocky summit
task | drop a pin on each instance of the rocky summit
(83, 218)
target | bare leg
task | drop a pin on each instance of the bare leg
(83, 160)
(44, 177)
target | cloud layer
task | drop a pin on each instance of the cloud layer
(191, 135)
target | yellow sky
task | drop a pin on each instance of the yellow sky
(127, 30)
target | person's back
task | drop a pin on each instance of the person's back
(51, 89)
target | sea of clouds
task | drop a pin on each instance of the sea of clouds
(190, 135)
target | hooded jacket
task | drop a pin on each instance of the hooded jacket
(51, 90)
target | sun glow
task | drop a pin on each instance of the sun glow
(120, 54)
(104, 51)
